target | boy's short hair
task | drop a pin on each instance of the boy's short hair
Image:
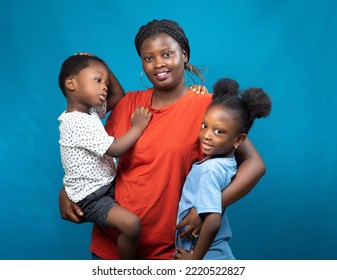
(73, 65)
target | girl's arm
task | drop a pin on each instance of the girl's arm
(251, 169)
(115, 92)
(207, 235)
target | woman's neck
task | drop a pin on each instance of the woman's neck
(162, 98)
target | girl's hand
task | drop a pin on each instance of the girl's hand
(194, 223)
(198, 89)
(69, 210)
(182, 254)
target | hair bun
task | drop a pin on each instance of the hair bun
(257, 101)
(224, 87)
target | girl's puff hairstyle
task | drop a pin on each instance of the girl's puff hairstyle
(247, 105)
(74, 64)
(172, 29)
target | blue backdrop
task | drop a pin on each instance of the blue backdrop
(286, 47)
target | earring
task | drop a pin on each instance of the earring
(141, 80)
(236, 146)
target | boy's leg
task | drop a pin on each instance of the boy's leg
(129, 226)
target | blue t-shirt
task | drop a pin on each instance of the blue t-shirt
(202, 190)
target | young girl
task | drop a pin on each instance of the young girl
(224, 127)
(87, 151)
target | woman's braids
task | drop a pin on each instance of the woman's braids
(247, 105)
(173, 29)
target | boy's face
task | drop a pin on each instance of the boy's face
(218, 133)
(91, 85)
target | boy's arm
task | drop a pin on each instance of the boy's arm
(115, 92)
(139, 121)
(207, 235)
(250, 170)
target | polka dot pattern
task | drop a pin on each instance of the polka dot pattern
(83, 144)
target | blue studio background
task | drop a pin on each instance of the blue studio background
(287, 47)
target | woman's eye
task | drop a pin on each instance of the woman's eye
(147, 58)
(168, 54)
(217, 131)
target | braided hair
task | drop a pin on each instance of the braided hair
(173, 29)
(247, 105)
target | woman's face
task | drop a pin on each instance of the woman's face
(163, 61)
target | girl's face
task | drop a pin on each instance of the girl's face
(91, 85)
(163, 61)
(218, 133)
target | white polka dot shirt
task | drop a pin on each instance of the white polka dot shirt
(83, 144)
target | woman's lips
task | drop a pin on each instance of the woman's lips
(162, 75)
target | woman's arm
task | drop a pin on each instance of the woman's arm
(207, 235)
(115, 92)
(251, 169)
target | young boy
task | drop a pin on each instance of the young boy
(87, 151)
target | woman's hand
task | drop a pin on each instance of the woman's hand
(69, 210)
(198, 89)
(194, 223)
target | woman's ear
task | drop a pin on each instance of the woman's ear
(185, 57)
(239, 140)
(70, 83)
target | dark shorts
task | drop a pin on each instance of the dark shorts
(97, 205)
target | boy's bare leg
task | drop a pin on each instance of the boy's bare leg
(129, 226)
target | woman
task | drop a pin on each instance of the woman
(151, 175)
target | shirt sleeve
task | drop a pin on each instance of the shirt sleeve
(209, 193)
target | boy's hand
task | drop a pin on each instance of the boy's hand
(141, 117)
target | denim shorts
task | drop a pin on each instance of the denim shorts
(97, 205)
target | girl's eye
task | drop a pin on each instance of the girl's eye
(203, 125)
(98, 80)
(218, 131)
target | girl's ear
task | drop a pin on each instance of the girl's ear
(240, 139)
(70, 83)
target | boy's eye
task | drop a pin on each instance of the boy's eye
(203, 125)
(217, 131)
(98, 80)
